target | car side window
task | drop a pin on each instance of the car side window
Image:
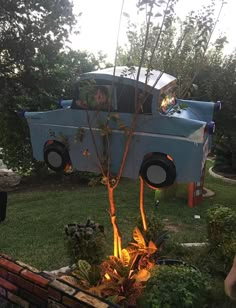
(126, 100)
(95, 97)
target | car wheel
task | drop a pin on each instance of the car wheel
(158, 171)
(56, 157)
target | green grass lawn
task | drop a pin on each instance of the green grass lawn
(34, 228)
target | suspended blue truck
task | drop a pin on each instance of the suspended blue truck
(170, 143)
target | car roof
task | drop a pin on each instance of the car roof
(130, 75)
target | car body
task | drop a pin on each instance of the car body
(170, 142)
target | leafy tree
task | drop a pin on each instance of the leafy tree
(217, 80)
(30, 30)
(34, 69)
(182, 48)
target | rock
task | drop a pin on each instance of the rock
(8, 179)
(207, 193)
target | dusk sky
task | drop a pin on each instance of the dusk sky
(99, 23)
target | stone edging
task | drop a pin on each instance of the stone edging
(207, 193)
(217, 176)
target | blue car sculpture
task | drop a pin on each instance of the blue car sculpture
(170, 143)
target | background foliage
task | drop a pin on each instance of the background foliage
(36, 69)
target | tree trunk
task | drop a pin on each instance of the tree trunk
(117, 241)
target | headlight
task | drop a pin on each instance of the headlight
(210, 128)
(217, 106)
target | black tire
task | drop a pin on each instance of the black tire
(158, 171)
(56, 157)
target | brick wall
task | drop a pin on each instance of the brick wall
(27, 287)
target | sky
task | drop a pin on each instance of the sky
(100, 19)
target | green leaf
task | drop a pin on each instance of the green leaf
(82, 271)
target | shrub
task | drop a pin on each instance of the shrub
(221, 229)
(89, 178)
(221, 225)
(217, 296)
(175, 286)
(225, 157)
(86, 241)
(155, 227)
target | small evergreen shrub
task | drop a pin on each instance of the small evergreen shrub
(221, 229)
(175, 286)
(221, 225)
(86, 241)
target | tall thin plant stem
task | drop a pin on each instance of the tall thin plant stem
(118, 35)
(141, 204)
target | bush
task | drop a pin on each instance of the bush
(217, 296)
(173, 249)
(155, 227)
(224, 155)
(86, 241)
(221, 225)
(175, 286)
(221, 229)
